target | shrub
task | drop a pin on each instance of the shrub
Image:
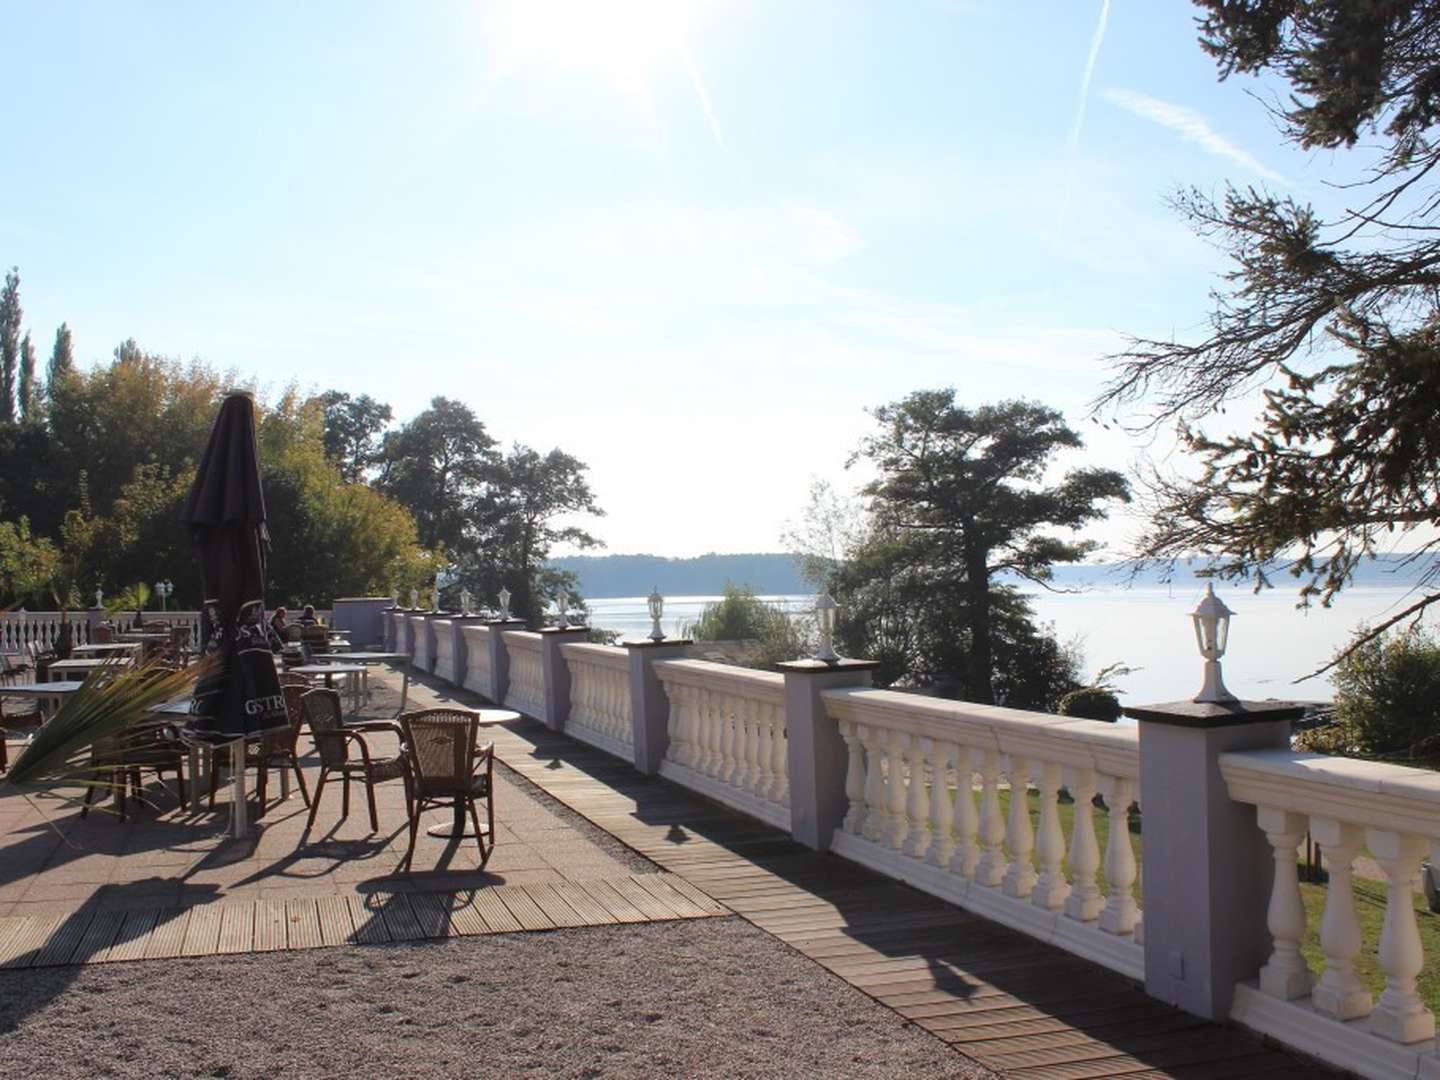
(1387, 696)
(740, 615)
(1091, 703)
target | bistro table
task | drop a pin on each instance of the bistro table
(239, 806)
(83, 666)
(330, 671)
(128, 648)
(45, 694)
(461, 828)
(368, 658)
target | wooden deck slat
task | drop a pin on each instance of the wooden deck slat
(202, 932)
(525, 910)
(585, 905)
(336, 925)
(370, 928)
(63, 940)
(612, 901)
(98, 936)
(400, 918)
(465, 917)
(168, 937)
(237, 928)
(29, 938)
(662, 890)
(302, 923)
(556, 909)
(270, 932)
(133, 937)
(430, 913)
(496, 915)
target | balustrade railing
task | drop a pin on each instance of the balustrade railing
(1349, 808)
(525, 691)
(600, 697)
(420, 654)
(20, 630)
(727, 735)
(444, 649)
(479, 675)
(939, 796)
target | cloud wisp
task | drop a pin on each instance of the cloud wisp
(1190, 126)
(1095, 42)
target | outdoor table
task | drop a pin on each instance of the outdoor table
(330, 671)
(45, 694)
(136, 636)
(383, 658)
(101, 648)
(239, 807)
(460, 828)
(84, 666)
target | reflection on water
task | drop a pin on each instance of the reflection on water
(1271, 643)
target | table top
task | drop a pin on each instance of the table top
(59, 688)
(88, 664)
(496, 716)
(104, 647)
(132, 636)
(359, 657)
(173, 708)
(327, 669)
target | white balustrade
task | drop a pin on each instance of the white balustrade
(727, 735)
(421, 655)
(525, 691)
(445, 650)
(479, 673)
(20, 630)
(600, 697)
(940, 797)
(1349, 807)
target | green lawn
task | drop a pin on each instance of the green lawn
(1369, 903)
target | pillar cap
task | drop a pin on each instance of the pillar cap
(564, 629)
(1215, 714)
(646, 643)
(506, 622)
(822, 667)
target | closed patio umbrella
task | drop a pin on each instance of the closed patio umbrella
(225, 513)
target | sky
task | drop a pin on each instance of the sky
(690, 243)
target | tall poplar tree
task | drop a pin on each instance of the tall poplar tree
(62, 358)
(28, 394)
(10, 316)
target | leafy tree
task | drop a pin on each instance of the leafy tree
(27, 390)
(28, 563)
(440, 465)
(62, 358)
(10, 317)
(1335, 319)
(960, 497)
(530, 508)
(353, 426)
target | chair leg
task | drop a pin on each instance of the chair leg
(414, 832)
(345, 799)
(89, 795)
(370, 797)
(315, 802)
(262, 782)
(300, 778)
(479, 836)
(214, 776)
(180, 785)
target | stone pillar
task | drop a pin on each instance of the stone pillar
(649, 707)
(500, 657)
(390, 635)
(459, 647)
(557, 672)
(816, 754)
(364, 617)
(1208, 866)
(93, 618)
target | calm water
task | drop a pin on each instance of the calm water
(1271, 643)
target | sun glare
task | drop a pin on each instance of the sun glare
(625, 42)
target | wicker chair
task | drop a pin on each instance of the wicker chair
(278, 749)
(447, 768)
(122, 757)
(333, 739)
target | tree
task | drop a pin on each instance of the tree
(1335, 319)
(62, 359)
(27, 390)
(352, 432)
(440, 465)
(531, 507)
(28, 563)
(960, 497)
(10, 317)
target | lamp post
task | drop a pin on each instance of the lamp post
(560, 605)
(394, 598)
(164, 589)
(414, 599)
(825, 613)
(1212, 634)
(465, 600)
(504, 604)
(656, 605)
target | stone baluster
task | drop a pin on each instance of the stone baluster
(895, 783)
(1399, 1014)
(966, 822)
(1019, 834)
(767, 782)
(754, 781)
(917, 802)
(854, 777)
(710, 758)
(681, 750)
(1051, 888)
(875, 822)
(1285, 975)
(1085, 901)
(1121, 912)
(942, 840)
(730, 740)
(1339, 993)
(991, 868)
(779, 755)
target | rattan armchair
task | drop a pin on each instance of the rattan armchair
(334, 740)
(448, 768)
(116, 761)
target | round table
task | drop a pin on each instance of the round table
(460, 828)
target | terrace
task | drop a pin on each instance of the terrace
(874, 833)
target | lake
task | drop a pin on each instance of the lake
(1148, 628)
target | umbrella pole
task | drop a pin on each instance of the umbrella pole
(239, 826)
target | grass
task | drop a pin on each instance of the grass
(1369, 905)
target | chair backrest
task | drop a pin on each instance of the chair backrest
(294, 687)
(102, 635)
(321, 709)
(292, 632)
(440, 744)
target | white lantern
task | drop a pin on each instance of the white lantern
(656, 604)
(414, 599)
(99, 598)
(465, 599)
(825, 613)
(394, 598)
(560, 605)
(1212, 635)
(505, 604)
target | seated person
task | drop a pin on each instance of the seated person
(307, 617)
(279, 621)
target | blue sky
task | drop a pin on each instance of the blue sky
(689, 243)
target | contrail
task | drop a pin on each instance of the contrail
(1089, 73)
(704, 95)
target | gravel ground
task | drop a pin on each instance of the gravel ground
(709, 997)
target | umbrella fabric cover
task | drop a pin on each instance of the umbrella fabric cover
(225, 512)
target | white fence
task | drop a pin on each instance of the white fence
(600, 697)
(478, 674)
(526, 690)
